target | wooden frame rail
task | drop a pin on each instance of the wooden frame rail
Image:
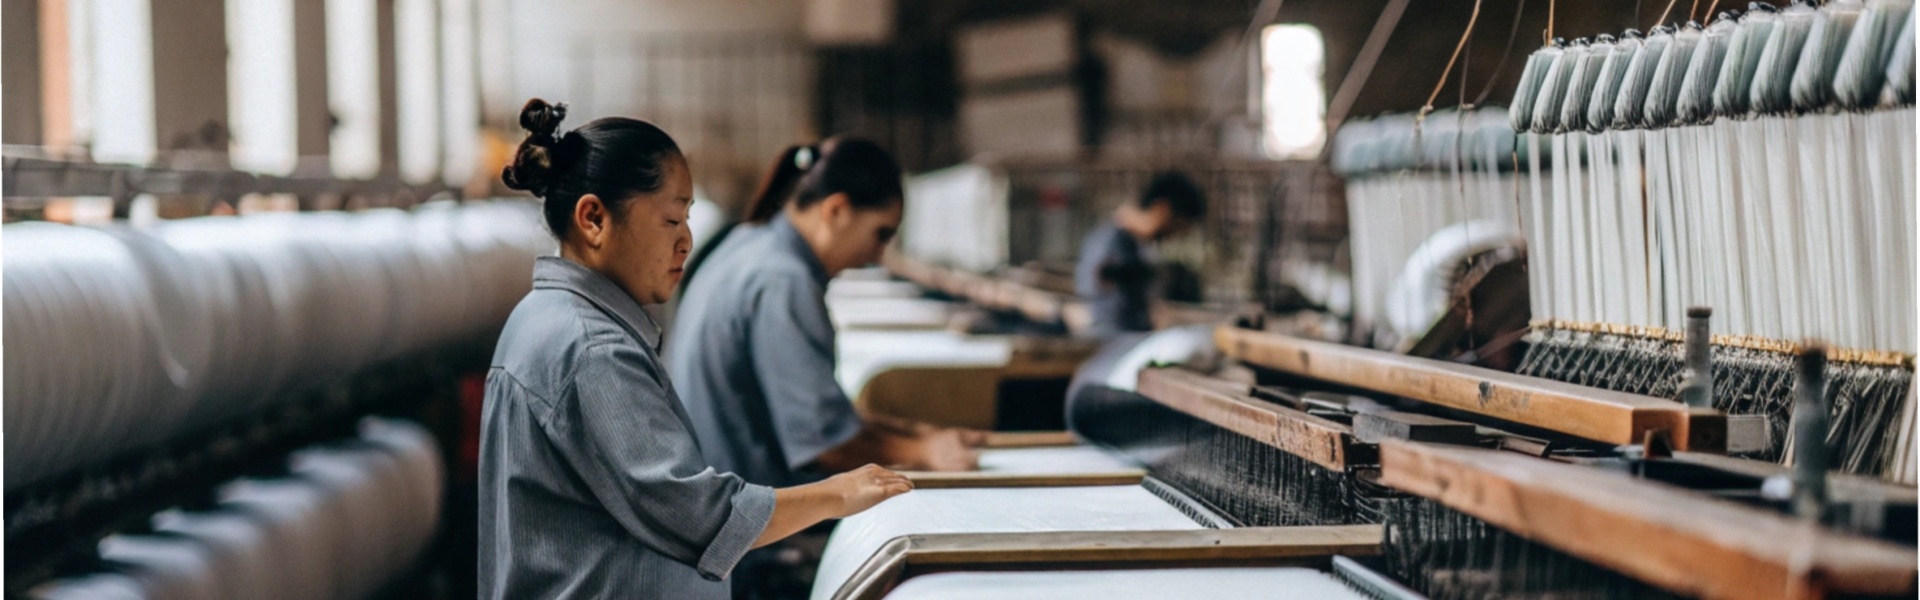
(1591, 413)
(1233, 407)
(932, 480)
(912, 555)
(1683, 541)
(994, 293)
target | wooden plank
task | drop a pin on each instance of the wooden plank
(1229, 405)
(1195, 545)
(1683, 541)
(906, 556)
(1030, 439)
(930, 480)
(1596, 414)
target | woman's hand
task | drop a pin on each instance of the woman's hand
(948, 449)
(844, 495)
(862, 488)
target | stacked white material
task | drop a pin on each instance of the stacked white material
(987, 510)
(347, 521)
(121, 338)
(957, 217)
(1269, 583)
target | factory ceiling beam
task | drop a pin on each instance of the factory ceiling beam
(1362, 67)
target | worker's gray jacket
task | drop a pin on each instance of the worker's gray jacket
(754, 349)
(591, 482)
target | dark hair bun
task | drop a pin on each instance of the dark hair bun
(532, 167)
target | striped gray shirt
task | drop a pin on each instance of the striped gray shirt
(591, 482)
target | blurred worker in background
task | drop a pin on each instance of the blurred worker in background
(1115, 275)
(591, 482)
(752, 343)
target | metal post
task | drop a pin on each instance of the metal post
(1697, 391)
(1810, 452)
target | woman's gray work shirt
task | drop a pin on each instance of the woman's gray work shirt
(591, 482)
(754, 347)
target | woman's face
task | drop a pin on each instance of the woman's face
(647, 246)
(856, 237)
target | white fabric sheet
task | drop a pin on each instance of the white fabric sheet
(1067, 459)
(865, 353)
(986, 510)
(1270, 583)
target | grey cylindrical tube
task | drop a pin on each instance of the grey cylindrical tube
(1810, 453)
(1698, 390)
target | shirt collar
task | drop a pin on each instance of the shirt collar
(784, 231)
(555, 273)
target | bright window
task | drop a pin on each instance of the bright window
(1292, 102)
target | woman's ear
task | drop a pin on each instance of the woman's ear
(838, 210)
(591, 218)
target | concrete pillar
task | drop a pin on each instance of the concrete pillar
(313, 116)
(20, 114)
(190, 82)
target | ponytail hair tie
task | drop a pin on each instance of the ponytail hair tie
(803, 158)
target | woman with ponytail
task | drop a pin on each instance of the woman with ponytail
(753, 345)
(591, 482)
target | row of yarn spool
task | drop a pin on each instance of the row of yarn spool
(119, 338)
(1422, 195)
(346, 522)
(1762, 165)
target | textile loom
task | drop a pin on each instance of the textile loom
(1715, 398)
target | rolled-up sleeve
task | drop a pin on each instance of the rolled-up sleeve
(620, 430)
(792, 344)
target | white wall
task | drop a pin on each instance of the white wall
(543, 32)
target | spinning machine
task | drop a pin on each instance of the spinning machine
(206, 407)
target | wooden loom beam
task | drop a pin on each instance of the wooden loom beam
(917, 554)
(932, 480)
(1233, 407)
(1686, 542)
(1596, 414)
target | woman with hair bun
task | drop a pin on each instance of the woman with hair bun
(592, 484)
